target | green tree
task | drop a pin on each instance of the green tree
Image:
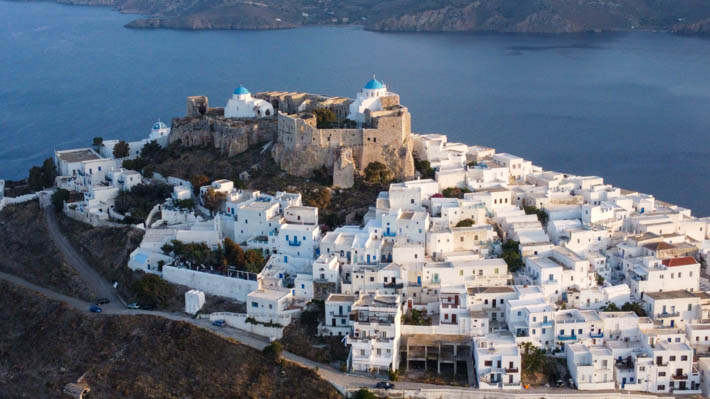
(600, 280)
(542, 216)
(120, 150)
(97, 142)
(254, 260)
(274, 350)
(393, 375)
(610, 307)
(634, 307)
(325, 118)
(214, 200)
(377, 173)
(35, 178)
(533, 359)
(49, 172)
(153, 290)
(234, 253)
(465, 223)
(455, 192)
(136, 164)
(198, 181)
(364, 393)
(150, 149)
(424, 168)
(188, 203)
(58, 198)
(511, 255)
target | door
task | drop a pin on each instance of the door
(368, 259)
(453, 319)
(419, 280)
(494, 303)
(409, 304)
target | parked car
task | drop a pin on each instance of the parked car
(102, 301)
(384, 385)
(95, 309)
(219, 323)
(133, 306)
(559, 383)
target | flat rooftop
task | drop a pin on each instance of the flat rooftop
(84, 154)
(670, 295)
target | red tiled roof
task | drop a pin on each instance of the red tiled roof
(682, 261)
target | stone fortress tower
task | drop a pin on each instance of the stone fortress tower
(382, 133)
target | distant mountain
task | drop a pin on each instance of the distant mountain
(517, 16)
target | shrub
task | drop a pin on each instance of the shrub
(325, 118)
(455, 192)
(465, 223)
(393, 375)
(153, 290)
(58, 198)
(364, 393)
(424, 168)
(198, 181)
(542, 216)
(511, 255)
(378, 173)
(120, 150)
(42, 177)
(274, 350)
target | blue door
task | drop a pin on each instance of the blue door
(419, 280)
(285, 259)
(368, 259)
(388, 231)
(623, 382)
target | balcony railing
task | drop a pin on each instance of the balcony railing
(597, 335)
(667, 314)
(511, 370)
(334, 314)
(294, 243)
(389, 234)
(394, 285)
(546, 323)
(566, 337)
(680, 376)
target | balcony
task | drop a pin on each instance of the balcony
(511, 370)
(680, 376)
(334, 314)
(597, 335)
(665, 315)
(294, 243)
(546, 323)
(389, 234)
(566, 337)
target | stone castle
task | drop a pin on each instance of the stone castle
(375, 128)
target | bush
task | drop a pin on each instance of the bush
(121, 149)
(322, 177)
(393, 375)
(364, 393)
(325, 118)
(42, 177)
(140, 200)
(378, 173)
(511, 255)
(198, 181)
(185, 204)
(455, 192)
(274, 350)
(153, 290)
(424, 168)
(320, 198)
(465, 223)
(58, 198)
(541, 214)
(150, 149)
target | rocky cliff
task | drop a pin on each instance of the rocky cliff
(529, 16)
(229, 136)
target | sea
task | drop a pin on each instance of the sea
(633, 108)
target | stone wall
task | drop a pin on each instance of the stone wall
(230, 136)
(214, 284)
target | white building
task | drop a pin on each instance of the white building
(368, 99)
(374, 344)
(497, 360)
(243, 105)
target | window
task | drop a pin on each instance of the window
(684, 358)
(271, 306)
(690, 307)
(672, 359)
(254, 304)
(488, 363)
(661, 373)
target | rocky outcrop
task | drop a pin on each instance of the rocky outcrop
(230, 136)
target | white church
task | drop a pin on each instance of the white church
(243, 105)
(368, 98)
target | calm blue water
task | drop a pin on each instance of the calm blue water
(633, 108)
